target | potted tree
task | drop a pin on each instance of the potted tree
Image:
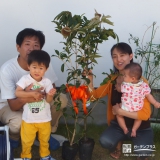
(80, 52)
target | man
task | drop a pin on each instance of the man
(10, 72)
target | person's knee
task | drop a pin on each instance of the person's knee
(64, 100)
(15, 124)
(106, 143)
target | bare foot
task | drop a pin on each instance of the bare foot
(133, 134)
(116, 154)
(125, 130)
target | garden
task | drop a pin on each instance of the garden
(81, 38)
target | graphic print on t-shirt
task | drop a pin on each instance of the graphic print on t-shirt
(36, 107)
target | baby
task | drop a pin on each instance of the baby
(134, 91)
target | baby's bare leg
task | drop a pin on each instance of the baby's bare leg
(136, 125)
(122, 124)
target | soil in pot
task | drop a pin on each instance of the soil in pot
(69, 152)
(86, 146)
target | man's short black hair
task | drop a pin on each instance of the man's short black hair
(39, 56)
(135, 70)
(29, 32)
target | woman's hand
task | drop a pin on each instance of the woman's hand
(116, 109)
(89, 75)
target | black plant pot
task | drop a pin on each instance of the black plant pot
(86, 148)
(69, 152)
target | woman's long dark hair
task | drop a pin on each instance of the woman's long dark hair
(123, 48)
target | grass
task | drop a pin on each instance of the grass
(99, 153)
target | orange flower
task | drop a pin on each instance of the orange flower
(79, 93)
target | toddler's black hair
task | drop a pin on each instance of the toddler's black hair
(39, 56)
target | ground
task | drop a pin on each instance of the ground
(99, 153)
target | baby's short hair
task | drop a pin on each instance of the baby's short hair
(135, 70)
(39, 56)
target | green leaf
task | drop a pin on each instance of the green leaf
(105, 20)
(58, 107)
(54, 55)
(93, 60)
(104, 73)
(111, 33)
(87, 80)
(65, 115)
(62, 87)
(65, 109)
(62, 14)
(105, 81)
(62, 67)
(78, 84)
(117, 37)
(63, 56)
(57, 52)
(112, 72)
(81, 32)
(96, 56)
(68, 78)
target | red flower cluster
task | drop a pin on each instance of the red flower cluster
(79, 93)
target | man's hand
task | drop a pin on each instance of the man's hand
(37, 94)
(28, 89)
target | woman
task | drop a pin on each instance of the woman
(122, 55)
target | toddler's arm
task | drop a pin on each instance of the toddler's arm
(50, 94)
(152, 100)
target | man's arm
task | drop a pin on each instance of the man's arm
(24, 94)
(17, 103)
